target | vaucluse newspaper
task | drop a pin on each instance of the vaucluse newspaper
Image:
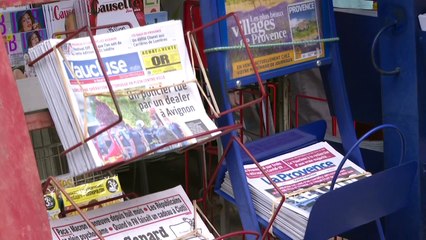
(152, 77)
(303, 176)
(168, 214)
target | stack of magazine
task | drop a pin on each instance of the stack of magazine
(155, 88)
(95, 13)
(168, 214)
(303, 176)
(22, 28)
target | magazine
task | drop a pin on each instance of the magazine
(273, 22)
(168, 214)
(303, 176)
(59, 17)
(156, 17)
(151, 6)
(22, 28)
(95, 13)
(155, 87)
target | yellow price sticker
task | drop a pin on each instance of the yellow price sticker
(9, 37)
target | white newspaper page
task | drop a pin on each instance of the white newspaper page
(307, 171)
(164, 215)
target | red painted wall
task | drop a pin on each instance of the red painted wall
(22, 211)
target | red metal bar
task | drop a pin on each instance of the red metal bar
(94, 28)
(52, 180)
(187, 172)
(250, 56)
(241, 99)
(124, 197)
(72, 35)
(219, 131)
(216, 172)
(273, 87)
(104, 72)
(333, 118)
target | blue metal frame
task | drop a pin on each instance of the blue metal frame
(331, 69)
(403, 99)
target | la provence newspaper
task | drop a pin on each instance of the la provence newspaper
(152, 78)
(303, 176)
(168, 214)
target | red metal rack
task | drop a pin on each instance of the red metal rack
(219, 132)
(215, 115)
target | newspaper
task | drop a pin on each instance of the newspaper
(21, 28)
(167, 214)
(151, 75)
(52, 205)
(93, 193)
(303, 176)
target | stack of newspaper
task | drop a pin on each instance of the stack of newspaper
(303, 176)
(155, 87)
(164, 215)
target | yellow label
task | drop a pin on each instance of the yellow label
(161, 60)
(95, 191)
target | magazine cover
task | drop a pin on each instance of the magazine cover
(168, 214)
(105, 12)
(7, 16)
(304, 27)
(59, 17)
(273, 22)
(151, 6)
(27, 20)
(17, 46)
(22, 28)
(5, 23)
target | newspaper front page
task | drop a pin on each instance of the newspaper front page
(303, 176)
(168, 214)
(154, 83)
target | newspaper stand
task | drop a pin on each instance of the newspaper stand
(220, 131)
(211, 102)
(328, 217)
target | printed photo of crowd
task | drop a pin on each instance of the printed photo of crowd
(124, 141)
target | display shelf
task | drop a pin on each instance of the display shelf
(208, 135)
(329, 64)
(219, 65)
